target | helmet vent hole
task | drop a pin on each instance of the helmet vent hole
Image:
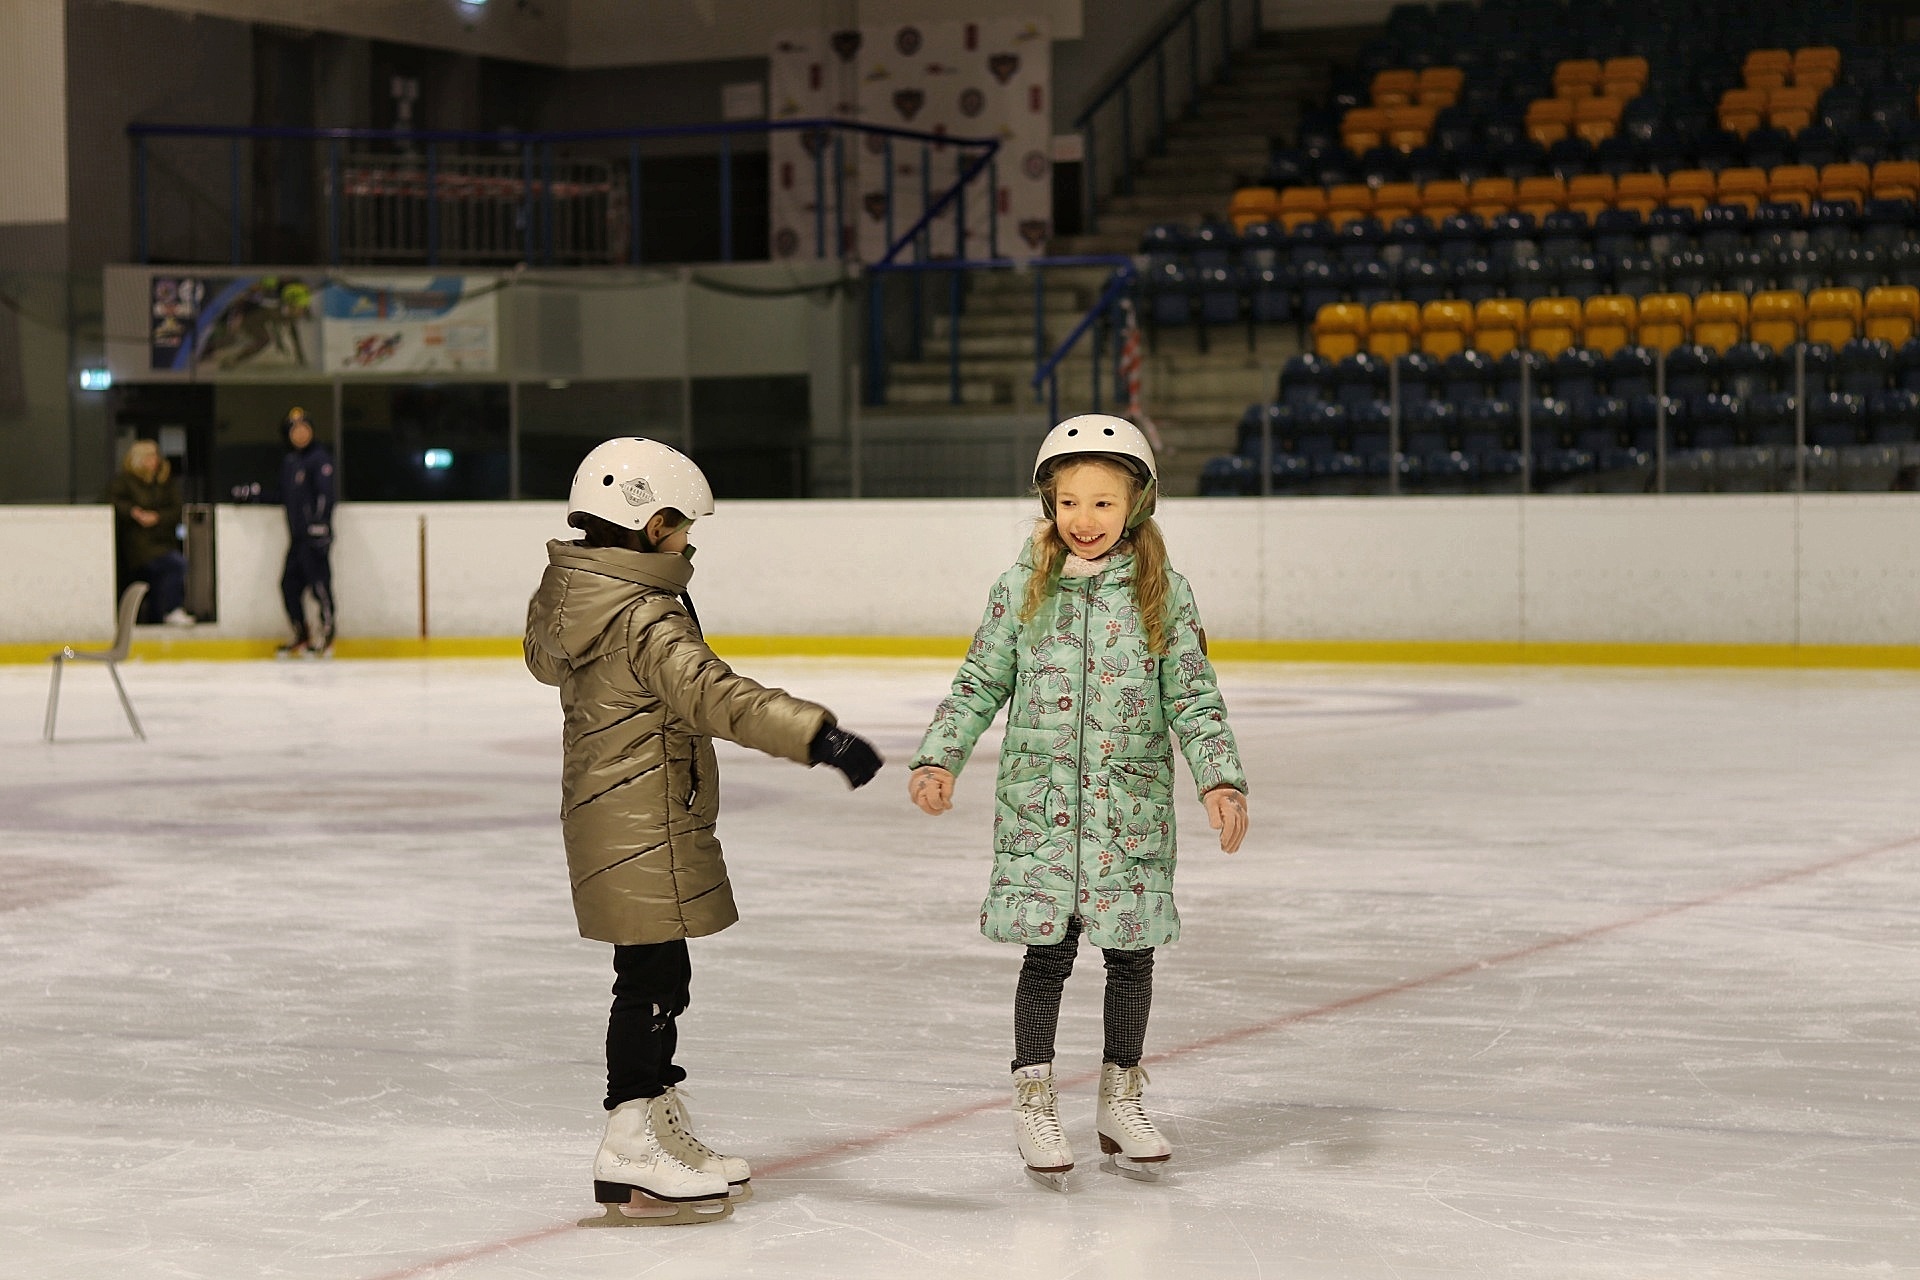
(1074, 432)
(1109, 430)
(606, 480)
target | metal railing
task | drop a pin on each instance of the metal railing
(456, 195)
(1047, 374)
(1128, 119)
(957, 272)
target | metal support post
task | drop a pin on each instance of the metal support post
(1660, 423)
(1393, 427)
(953, 336)
(1526, 424)
(1799, 417)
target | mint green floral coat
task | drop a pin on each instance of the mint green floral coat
(1083, 806)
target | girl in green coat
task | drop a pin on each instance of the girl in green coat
(1095, 647)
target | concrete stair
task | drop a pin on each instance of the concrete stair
(1194, 396)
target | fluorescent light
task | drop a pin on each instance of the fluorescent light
(437, 459)
(95, 379)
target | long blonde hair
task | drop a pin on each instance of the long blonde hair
(162, 469)
(1149, 558)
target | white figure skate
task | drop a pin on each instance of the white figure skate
(1043, 1144)
(1132, 1146)
(643, 1186)
(675, 1130)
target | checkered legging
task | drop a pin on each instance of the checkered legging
(1036, 1002)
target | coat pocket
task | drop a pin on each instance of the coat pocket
(1140, 808)
(1030, 810)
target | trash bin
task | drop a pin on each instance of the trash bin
(202, 587)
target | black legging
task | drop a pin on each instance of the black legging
(1036, 1002)
(308, 569)
(651, 988)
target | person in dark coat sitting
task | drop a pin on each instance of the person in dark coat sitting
(146, 520)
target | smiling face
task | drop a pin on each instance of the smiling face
(1090, 504)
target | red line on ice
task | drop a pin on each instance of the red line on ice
(805, 1160)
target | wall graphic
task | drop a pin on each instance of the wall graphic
(990, 78)
(272, 325)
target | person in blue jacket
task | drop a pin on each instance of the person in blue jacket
(307, 489)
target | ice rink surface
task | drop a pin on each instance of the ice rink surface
(1522, 973)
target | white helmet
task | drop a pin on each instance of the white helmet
(626, 480)
(1101, 435)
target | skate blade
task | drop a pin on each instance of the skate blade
(1138, 1170)
(644, 1211)
(740, 1193)
(1051, 1179)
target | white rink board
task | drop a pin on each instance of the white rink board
(1827, 569)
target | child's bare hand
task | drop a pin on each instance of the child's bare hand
(931, 787)
(1227, 814)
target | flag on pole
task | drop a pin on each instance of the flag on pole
(1130, 362)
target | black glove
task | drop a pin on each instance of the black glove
(850, 753)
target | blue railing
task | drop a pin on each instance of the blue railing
(957, 271)
(1207, 53)
(1047, 371)
(521, 178)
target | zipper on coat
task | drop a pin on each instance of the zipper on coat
(1080, 763)
(693, 774)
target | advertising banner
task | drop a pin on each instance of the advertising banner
(232, 324)
(411, 324)
(220, 326)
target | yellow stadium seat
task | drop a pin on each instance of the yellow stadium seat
(1641, 192)
(1767, 81)
(1630, 67)
(1439, 87)
(1596, 119)
(1499, 325)
(1815, 78)
(1553, 325)
(1251, 205)
(1844, 181)
(1577, 78)
(1339, 329)
(1609, 322)
(1394, 88)
(1690, 188)
(1793, 184)
(1720, 320)
(1775, 317)
(1409, 127)
(1549, 120)
(1490, 196)
(1302, 204)
(1393, 200)
(1665, 320)
(1442, 198)
(1393, 328)
(1896, 180)
(1363, 129)
(1792, 108)
(1767, 61)
(1893, 312)
(1348, 202)
(1623, 89)
(1744, 187)
(1816, 55)
(1446, 326)
(1741, 110)
(1589, 193)
(1541, 195)
(1833, 316)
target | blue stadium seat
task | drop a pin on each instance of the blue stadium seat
(1863, 366)
(1419, 377)
(1746, 369)
(1576, 375)
(1218, 290)
(1271, 295)
(1306, 379)
(1690, 371)
(1716, 421)
(1830, 225)
(1359, 240)
(1359, 379)
(1906, 365)
(1262, 244)
(1834, 419)
(1520, 373)
(1617, 232)
(1885, 224)
(1801, 270)
(1893, 417)
(1687, 271)
(1462, 237)
(1630, 372)
(1311, 242)
(1857, 267)
(1479, 278)
(1466, 376)
(1669, 227)
(1721, 228)
(1169, 291)
(1422, 280)
(1321, 283)
(1369, 282)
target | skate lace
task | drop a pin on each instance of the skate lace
(679, 1121)
(1034, 1100)
(1124, 1102)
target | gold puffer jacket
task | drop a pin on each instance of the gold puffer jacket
(644, 697)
